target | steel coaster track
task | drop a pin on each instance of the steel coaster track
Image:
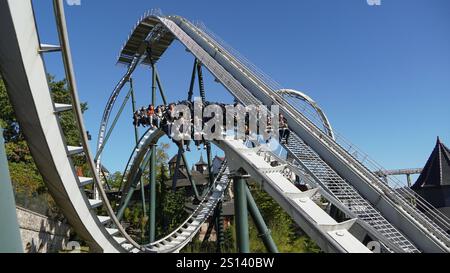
(47, 143)
(436, 239)
(243, 90)
(184, 234)
(404, 194)
(25, 76)
(24, 72)
(243, 96)
(65, 186)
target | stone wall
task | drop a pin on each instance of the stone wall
(41, 234)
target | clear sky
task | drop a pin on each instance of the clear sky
(381, 73)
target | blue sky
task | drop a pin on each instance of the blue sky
(381, 73)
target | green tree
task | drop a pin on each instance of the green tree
(115, 180)
(61, 94)
(7, 118)
(287, 235)
(25, 176)
(170, 205)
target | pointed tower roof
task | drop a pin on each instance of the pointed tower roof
(436, 172)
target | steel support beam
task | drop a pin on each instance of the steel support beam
(219, 227)
(116, 119)
(133, 186)
(191, 87)
(264, 231)
(133, 105)
(189, 174)
(201, 85)
(241, 213)
(10, 241)
(211, 225)
(136, 136)
(160, 87)
(152, 205)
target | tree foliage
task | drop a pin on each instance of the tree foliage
(287, 235)
(170, 205)
(25, 176)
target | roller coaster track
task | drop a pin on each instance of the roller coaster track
(360, 181)
(22, 68)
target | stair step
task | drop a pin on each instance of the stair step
(128, 246)
(49, 48)
(62, 107)
(95, 203)
(85, 181)
(104, 219)
(120, 240)
(75, 150)
(112, 231)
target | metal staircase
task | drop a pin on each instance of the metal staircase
(345, 193)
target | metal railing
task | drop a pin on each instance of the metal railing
(346, 154)
(70, 75)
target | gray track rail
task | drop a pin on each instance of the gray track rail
(23, 69)
(240, 81)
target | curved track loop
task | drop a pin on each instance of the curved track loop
(179, 238)
(147, 140)
(302, 96)
(23, 70)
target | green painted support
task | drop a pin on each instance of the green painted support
(201, 86)
(241, 214)
(191, 180)
(116, 119)
(136, 136)
(201, 83)
(211, 225)
(161, 90)
(219, 227)
(10, 240)
(210, 168)
(152, 209)
(264, 231)
(133, 186)
(133, 104)
(106, 178)
(191, 87)
(144, 207)
(152, 178)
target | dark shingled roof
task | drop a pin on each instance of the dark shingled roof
(183, 181)
(437, 170)
(173, 161)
